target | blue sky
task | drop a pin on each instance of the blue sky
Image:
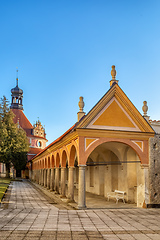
(65, 49)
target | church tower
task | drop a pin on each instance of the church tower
(35, 133)
(17, 96)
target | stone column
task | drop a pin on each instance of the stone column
(63, 181)
(71, 184)
(57, 180)
(48, 178)
(37, 176)
(82, 188)
(52, 179)
(42, 171)
(45, 178)
(146, 179)
(30, 174)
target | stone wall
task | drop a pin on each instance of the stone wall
(154, 169)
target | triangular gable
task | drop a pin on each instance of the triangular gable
(115, 111)
(113, 116)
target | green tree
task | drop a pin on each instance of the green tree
(14, 143)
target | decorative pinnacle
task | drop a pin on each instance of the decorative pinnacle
(113, 72)
(81, 104)
(145, 108)
(80, 114)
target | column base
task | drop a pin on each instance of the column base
(82, 207)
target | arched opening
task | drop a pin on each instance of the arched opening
(76, 177)
(57, 160)
(48, 162)
(52, 173)
(71, 173)
(20, 101)
(64, 175)
(73, 155)
(45, 165)
(45, 172)
(57, 173)
(114, 166)
(52, 162)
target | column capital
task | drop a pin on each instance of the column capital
(144, 166)
(82, 166)
(63, 168)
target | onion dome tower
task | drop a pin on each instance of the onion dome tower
(17, 96)
(36, 134)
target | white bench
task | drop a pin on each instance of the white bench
(117, 195)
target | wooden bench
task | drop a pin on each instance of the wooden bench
(117, 195)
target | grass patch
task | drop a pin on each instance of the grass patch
(4, 183)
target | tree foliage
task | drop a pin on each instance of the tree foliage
(14, 143)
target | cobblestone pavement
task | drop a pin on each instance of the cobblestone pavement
(30, 215)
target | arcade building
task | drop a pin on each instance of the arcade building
(112, 147)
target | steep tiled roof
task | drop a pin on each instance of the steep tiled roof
(34, 150)
(23, 121)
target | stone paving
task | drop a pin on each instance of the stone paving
(27, 214)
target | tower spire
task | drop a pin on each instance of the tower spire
(17, 76)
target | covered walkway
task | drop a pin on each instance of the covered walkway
(93, 200)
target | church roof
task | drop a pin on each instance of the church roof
(17, 90)
(23, 121)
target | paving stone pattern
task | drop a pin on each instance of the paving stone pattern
(28, 214)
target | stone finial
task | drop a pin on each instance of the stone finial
(113, 74)
(81, 104)
(145, 108)
(80, 114)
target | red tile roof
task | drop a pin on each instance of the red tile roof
(23, 121)
(34, 150)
